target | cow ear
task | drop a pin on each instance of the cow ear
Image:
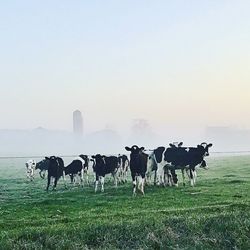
(47, 158)
(128, 148)
(210, 145)
(142, 148)
(171, 145)
(93, 156)
(180, 144)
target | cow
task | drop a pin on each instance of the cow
(123, 168)
(138, 167)
(43, 167)
(178, 157)
(55, 170)
(75, 169)
(104, 165)
(86, 167)
(151, 169)
(30, 169)
(192, 157)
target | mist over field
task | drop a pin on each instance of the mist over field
(44, 142)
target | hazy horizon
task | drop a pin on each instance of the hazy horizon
(180, 65)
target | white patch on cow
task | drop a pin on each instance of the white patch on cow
(187, 149)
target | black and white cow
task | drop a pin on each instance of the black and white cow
(43, 167)
(138, 167)
(55, 170)
(123, 162)
(151, 169)
(86, 167)
(104, 165)
(75, 169)
(30, 169)
(192, 157)
(178, 157)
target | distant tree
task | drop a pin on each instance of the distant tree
(141, 128)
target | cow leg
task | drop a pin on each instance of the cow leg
(142, 183)
(191, 177)
(87, 178)
(160, 174)
(96, 182)
(64, 179)
(71, 179)
(174, 178)
(167, 176)
(115, 178)
(195, 176)
(139, 182)
(47, 189)
(32, 174)
(134, 184)
(82, 178)
(123, 175)
(42, 174)
(170, 182)
(126, 174)
(102, 183)
(55, 183)
(183, 176)
(119, 175)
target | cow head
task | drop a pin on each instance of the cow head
(176, 144)
(52, 161)
(135, 149)
(84, 157)
(205, 147)
(99, 159)
(40, 164)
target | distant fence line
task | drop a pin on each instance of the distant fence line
(70, 156)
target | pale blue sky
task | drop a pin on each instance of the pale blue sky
(174, 63)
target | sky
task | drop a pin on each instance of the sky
(174, 63)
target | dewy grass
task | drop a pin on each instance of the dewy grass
(213, 215)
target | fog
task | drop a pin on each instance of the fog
(43, 142)
(141, 72)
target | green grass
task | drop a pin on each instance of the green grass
(213, 215)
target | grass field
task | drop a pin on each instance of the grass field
(213, 215)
